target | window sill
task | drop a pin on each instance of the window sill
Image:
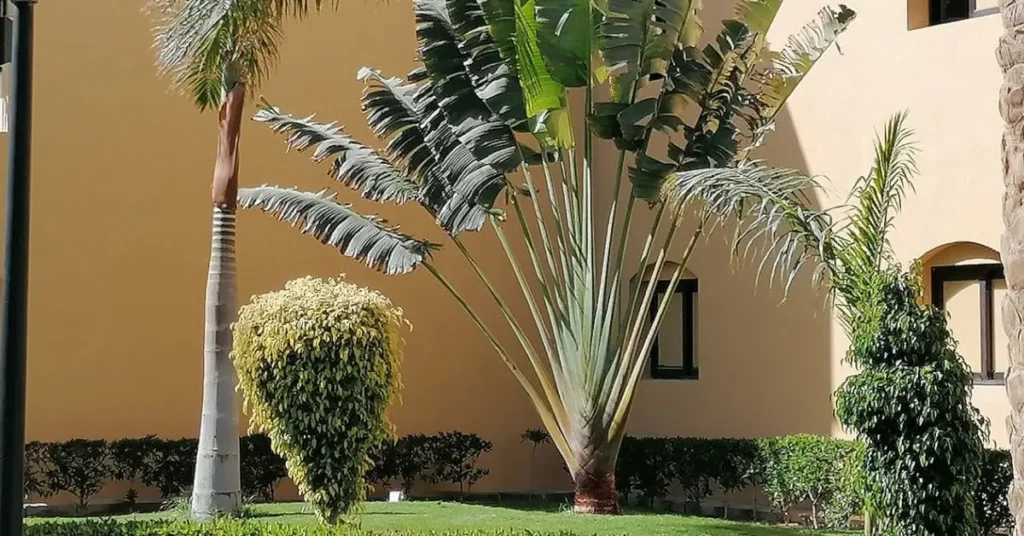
(989, 382)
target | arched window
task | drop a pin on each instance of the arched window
(966, 280)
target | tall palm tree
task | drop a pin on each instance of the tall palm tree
(1010, 55)
(486, 121)
(218, 51)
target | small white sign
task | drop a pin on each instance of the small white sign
(396, 496)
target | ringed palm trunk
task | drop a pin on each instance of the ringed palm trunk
(217, 485)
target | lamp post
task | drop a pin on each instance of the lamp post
(15, 282)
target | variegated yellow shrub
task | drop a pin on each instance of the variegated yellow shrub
(318, 365)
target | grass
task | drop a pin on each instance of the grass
(441, 516)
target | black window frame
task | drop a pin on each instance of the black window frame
(942, 11)
(688, 288)
(985, 274)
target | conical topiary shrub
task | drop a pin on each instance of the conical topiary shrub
(318, 366)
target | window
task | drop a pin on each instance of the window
(942, 11)
(673, 356)
(970, 293)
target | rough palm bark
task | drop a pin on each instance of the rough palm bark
(217, 485)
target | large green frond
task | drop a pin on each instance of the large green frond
(365, 238)
(771, 208)
(491, 70)
(541, 92)
(455, 186)
(355, 165)
(714, 79)
(565, 33)
(487, 137)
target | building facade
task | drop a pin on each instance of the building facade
(120, 234)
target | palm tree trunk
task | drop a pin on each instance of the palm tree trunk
(217, 485)
(595, 485)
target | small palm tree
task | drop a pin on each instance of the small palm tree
(218, 51)
(482, 135)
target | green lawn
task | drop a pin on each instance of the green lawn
(435, 516)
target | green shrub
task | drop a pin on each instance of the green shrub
(990, 504)
(79, 467)
(801, 468)
(911, 404)
(733, 466)
(693, 466)
(129, 460)
(648, 468)
(261, 467)
(172, 466)
(452, 458)
(35, 468)
(318, 365)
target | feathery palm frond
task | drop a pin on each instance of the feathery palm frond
(878, 198)
(365, 238)
(770, 204)
(356, 165)
(207, 46)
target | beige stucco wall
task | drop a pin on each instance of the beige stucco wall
(121, 222)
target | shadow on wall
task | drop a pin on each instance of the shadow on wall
(765, 357)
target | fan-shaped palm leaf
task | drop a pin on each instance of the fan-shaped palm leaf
(356, 165)
(365, 238)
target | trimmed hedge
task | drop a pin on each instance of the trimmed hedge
(168, 464)
(825, 473)
(241, 528)
(81, 467)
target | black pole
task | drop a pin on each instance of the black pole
(15, 283)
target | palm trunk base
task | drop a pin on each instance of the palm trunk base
(596, 494)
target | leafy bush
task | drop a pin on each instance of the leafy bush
(693, 464)
(644, 467)
(734, 466)
(35, 468)
(129, 460)
(384, 463)
(318, 365)
(801, 468)
(453, 457)
(990, 504)
(911, 404)
(413, 459)
(172, 466)
(261, 467)
(78, 466)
